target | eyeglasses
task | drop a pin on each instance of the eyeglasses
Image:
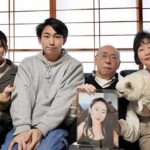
(105, 56)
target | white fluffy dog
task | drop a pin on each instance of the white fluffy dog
(135, 88)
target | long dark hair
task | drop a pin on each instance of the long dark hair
(88, 125)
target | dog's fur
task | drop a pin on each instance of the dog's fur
(136, 87)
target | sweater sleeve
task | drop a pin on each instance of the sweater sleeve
(21, 103)
(130, 128)
(66, 93)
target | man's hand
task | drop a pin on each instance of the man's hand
(20, 139)
(35, 138)
(89, 88)
(27, 140)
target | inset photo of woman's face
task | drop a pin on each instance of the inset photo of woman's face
(98, 112)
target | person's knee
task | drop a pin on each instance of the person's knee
(56, 139)
(62, 132)
(58, 133)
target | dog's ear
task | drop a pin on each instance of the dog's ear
(128, 85)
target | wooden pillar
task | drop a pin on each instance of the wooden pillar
(140, 20)
(53, 8)
(139, 15)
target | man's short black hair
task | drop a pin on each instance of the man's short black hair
(56, 24)
(138, 40)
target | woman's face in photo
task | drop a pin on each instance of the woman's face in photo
(98, 112)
